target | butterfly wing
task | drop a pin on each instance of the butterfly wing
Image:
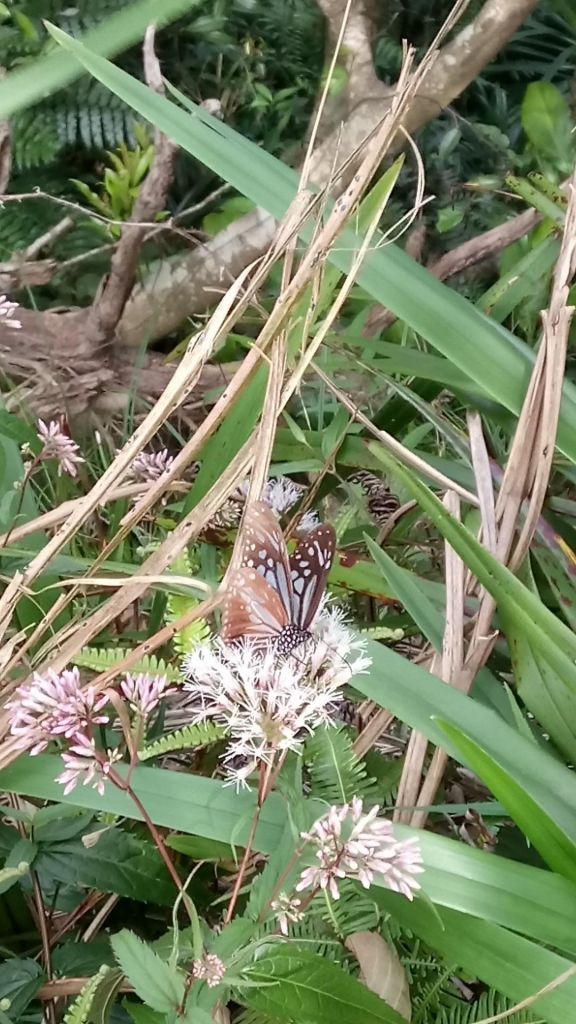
(265, 551)
(251, 608)
(309, 566)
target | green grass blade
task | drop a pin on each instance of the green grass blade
(28, 85)
(551, 637)
(556, 848)
(523, 898)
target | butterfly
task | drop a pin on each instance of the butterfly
(273, 596)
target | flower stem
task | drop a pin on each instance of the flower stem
(263, 790)
(156, 837)
(33, 465)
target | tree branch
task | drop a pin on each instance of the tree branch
(109, 305)
(189, 284)
(469, 254)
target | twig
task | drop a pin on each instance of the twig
(62, 988)
(398, 449)
(109, 305)
(452, 660)
(470, 253)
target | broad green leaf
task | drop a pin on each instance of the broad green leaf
(142, 1014)
(58, 822)
(509, 963)
(555, 847)
(20, 980)
(9, 876)
(25, 86)
(546, 120)
(159, 986)
(198, 848)
(113, 861)
(290, 985)
(488, 354)
(18, 863)
(76, 959)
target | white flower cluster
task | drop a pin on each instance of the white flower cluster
(268, 704)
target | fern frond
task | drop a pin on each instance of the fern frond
(313, 935)
(336, 774)
(490, 1004)
(185, 640)
(200, 735)
(355, 911)
(102, 659)
(383, 633)
(79, 1011)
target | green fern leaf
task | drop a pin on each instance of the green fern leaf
(383, 633)
(102, 659)
(191, 736)
(80, 1010)
(354, 911)
(336, 774)
(185, 640)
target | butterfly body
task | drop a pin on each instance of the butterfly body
(273, 597)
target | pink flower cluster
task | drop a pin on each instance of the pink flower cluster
(209, 969)
(353, 844)
(57, 445)
(54, 706)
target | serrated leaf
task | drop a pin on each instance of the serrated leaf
(59, 822)
(292, 985)
(117, 862)
(81, 959)
(381, 970)
(159, 986)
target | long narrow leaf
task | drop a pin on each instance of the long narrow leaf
(523, 898)
(487, 353)
(555, 641)
(507, 962)
(556, 849)
(28, 85)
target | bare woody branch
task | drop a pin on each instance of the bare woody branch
(109, 305)
(189, 285)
